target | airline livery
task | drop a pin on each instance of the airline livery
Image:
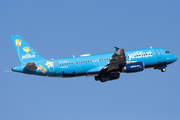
(104, 67)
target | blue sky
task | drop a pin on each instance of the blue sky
(58, 29)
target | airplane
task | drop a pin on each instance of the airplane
(104, 67)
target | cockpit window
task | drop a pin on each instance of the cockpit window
(167, 52)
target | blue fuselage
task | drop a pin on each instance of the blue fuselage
(90, 65)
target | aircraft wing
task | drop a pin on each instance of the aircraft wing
(118, 60)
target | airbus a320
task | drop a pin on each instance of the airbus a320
(104, 67)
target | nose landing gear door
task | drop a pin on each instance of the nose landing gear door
(159, 56)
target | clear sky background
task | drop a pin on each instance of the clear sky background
(59, 29)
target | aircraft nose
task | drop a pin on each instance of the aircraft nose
(175, 58)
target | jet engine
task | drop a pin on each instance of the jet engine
(107, 77)
(133, 67)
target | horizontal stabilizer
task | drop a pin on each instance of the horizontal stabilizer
(31, 66)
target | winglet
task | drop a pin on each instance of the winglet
(116, 48)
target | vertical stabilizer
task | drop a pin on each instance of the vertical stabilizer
(25, 52)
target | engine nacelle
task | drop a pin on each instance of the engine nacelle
(107, 77)
(133, 67)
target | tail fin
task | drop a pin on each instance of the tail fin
(24, 51)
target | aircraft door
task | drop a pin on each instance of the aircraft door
(159, 56)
